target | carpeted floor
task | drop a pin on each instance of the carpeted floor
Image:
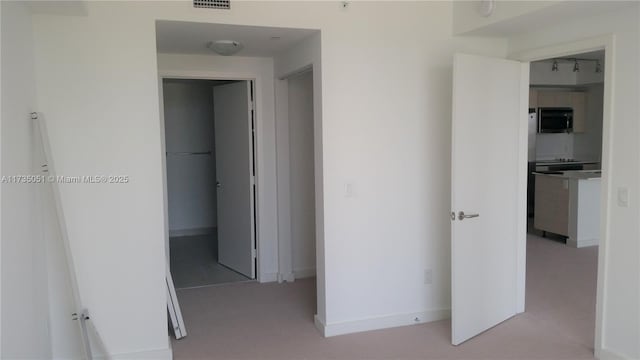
(194, 262)
(275, 321)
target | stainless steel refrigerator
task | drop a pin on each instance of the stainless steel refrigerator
(533, 131)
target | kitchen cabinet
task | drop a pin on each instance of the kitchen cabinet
(552, 205)
(579, 105)
(533, 98)
(547, 99)
(568, 204)
(554, 98)
(567, 99)
(563, 99)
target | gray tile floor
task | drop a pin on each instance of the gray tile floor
(194, 262)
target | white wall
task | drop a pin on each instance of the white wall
(541, 74)
(97, 82)
(188, 117)
(24, 312)
(621, 295)
(302, 178)
(588, 74)
(97, 86)
(467, 18)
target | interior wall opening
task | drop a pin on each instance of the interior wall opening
(564, 170)
(210, 171)
(282, 152)
(302, 175)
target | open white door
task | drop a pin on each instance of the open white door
(235, 176)
(489, 112)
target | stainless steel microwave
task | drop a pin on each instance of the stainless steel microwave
(555, 120)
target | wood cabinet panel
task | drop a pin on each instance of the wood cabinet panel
(563, 99)
(579, 105)
(546, 99)
(552, 205)
(533, 98)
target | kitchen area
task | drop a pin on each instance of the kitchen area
(565, 148)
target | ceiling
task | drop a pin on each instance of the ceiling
(595, 55)
(68, 7)
(259, 41)
(549, 16)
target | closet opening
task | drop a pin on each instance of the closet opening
(211, 187)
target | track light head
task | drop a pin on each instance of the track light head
(576, 66)
(598, 67)
(554, 67)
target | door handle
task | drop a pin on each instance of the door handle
(462, 215)
(218, 185)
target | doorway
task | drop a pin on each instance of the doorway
(297, 185)
(564, 169)
(498, 91)
(210, 169)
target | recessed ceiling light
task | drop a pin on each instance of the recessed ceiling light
(275, 38)
(225, 47)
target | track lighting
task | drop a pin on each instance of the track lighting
(555, 65)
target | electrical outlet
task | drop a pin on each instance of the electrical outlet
(349, 190)
(428, 277)
(623, 197)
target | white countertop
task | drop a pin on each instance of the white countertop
(559, 162)
(575, 174)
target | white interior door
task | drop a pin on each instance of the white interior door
(489, 114)
(234, 172)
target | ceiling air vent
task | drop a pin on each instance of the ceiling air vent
(212, 4)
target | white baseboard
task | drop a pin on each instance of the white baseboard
(605, 354)
(582, 243)
(304, 273)
(158, 354)
(191, 232)
(288, 277)
(267, 277)
(319, 324)
(382, 322)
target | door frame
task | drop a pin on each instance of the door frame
(212, 75)
(606, 43)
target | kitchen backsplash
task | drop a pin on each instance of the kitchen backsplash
(554, 146)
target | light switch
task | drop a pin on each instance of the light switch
(623, 197)
(428, 276)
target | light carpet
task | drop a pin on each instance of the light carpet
(275, 321)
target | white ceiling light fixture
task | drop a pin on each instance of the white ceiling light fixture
(225, 47)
